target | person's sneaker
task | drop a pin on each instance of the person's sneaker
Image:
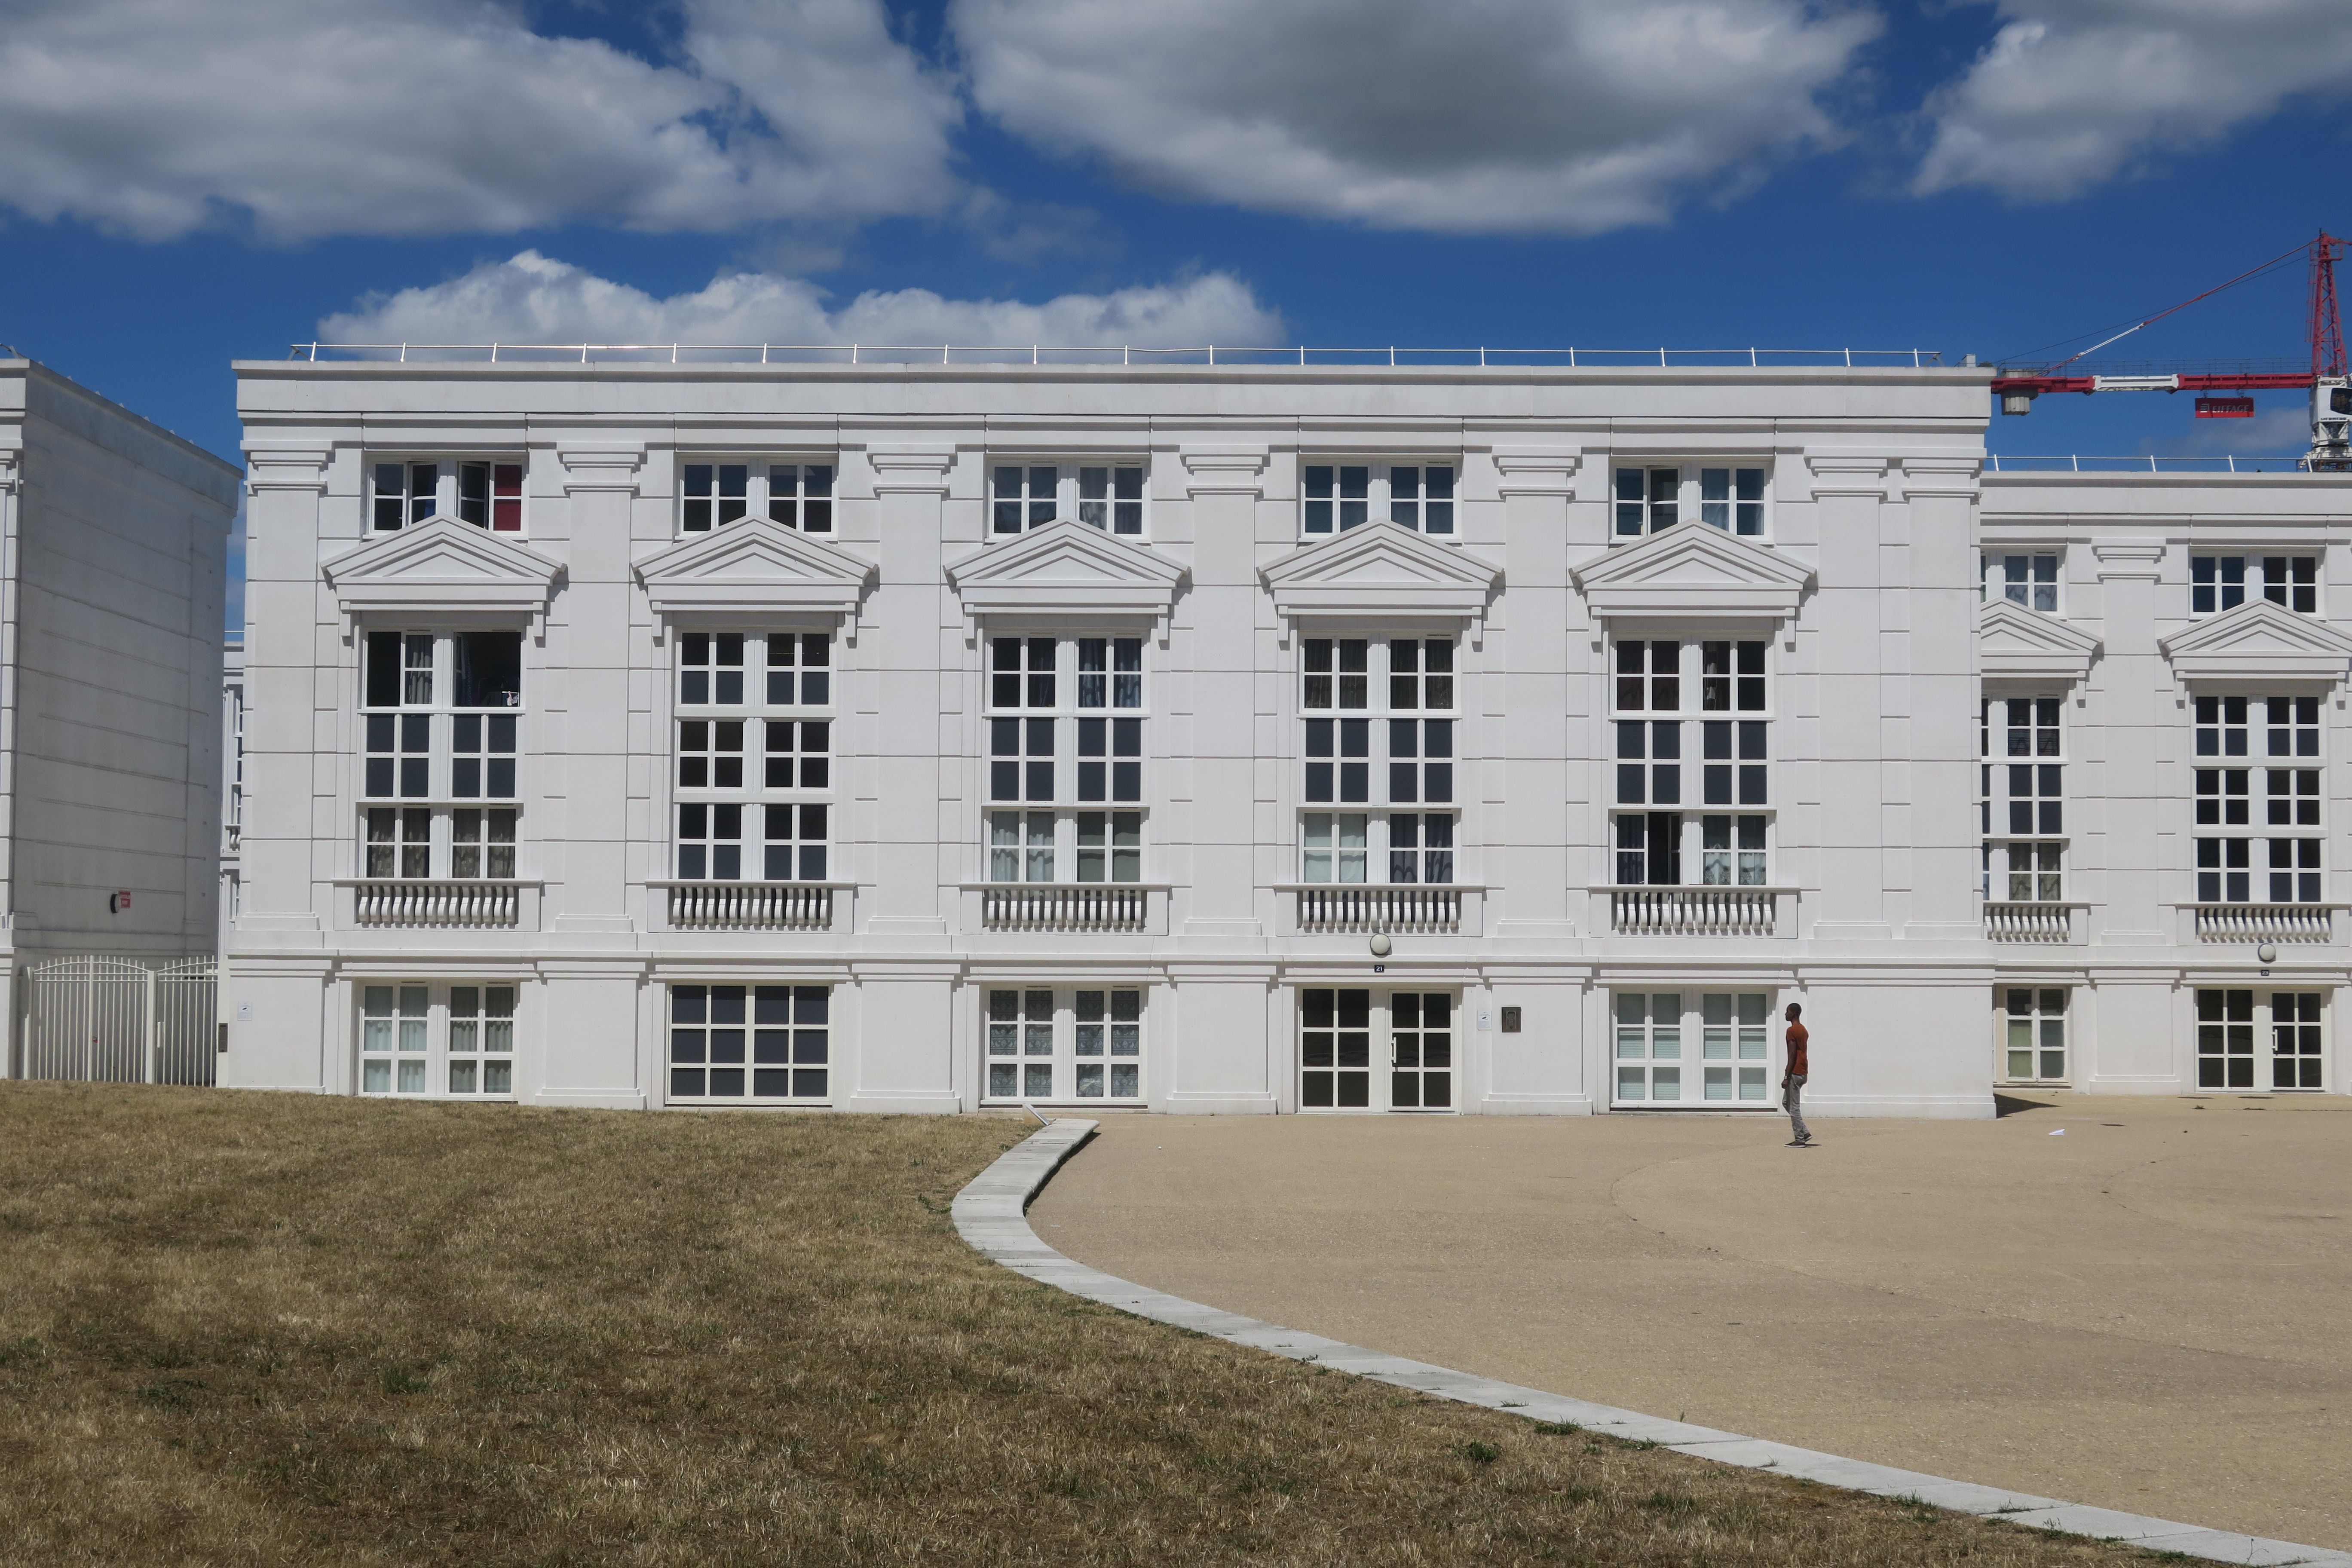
(1804, 1142)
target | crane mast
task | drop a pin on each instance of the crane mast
(2331, 390)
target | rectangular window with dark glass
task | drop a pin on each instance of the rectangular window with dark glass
(441, 725)
(486, 493)
(2289, 865)
(733, 1044)
(752, 753)
(1094, 707)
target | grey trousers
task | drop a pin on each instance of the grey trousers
(1792, 1093)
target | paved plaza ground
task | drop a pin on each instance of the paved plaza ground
(2152, 1312)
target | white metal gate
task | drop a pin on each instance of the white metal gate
(119, 1020)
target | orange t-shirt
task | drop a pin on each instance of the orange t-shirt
(1797, 1038)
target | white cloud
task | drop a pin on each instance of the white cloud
(533, 299)
(396, 116)
(2074, 92)
(1572, 116)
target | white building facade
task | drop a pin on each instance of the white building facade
(1261, 738)
(112, 568)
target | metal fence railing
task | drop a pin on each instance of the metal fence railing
(1124, 354)
(1997, 463)
(94, 1018)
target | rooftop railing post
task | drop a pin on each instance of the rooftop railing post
(494, 353)
(403, 354)
(1849, 358)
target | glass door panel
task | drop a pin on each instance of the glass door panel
(1420, 1041)
(2225, 1040)
(1649, 1047)
(1335, 1049)
(1734, 1047)
(2298, 1048)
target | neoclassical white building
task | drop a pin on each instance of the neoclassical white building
(1268, 739)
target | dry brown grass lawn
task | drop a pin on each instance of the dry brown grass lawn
(272, 1329)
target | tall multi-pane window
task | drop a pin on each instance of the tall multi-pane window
(1336, 497)
(2259, 819)
(1392, 811)
(440, 735)
(2022, 578)
(1651, 499)
(798, 495)
(733, 1044)
(1108, 495)
(487, 494)
(437, 1041)
(2022, 804)
(1082, 1043)
(2217, 583)
(1690, 770)
(1065, 721)
(752, 755)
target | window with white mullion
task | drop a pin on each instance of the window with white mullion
(2022, 804)
(1649, 497)
(753, 755)
(1081, 1042)
(440, 726)
(796, 494)
(2265, 749)
(1657, 836)
(1065, 724)
(427, 1041)
(2219, 583)
(1106, 493)
(2023, 577)
(1406, 707)
(1336, 496)
(483, 492)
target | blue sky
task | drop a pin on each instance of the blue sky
(186, 182)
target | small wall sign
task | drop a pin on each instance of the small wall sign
(117, 903)
(1510, 1020)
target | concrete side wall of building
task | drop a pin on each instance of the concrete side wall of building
(110, 601)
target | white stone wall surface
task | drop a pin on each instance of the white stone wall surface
(1864, 582)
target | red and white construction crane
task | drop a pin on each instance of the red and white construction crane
(2331, 391)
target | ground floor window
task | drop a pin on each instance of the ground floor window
(422, 1039)
(1731, 1067)
(735, 1045)
(1337, 1027)
(1081, 1042)
(2032, 1021)
(2232, 1022)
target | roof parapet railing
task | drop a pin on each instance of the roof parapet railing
(1127, 355)
(2072, 463)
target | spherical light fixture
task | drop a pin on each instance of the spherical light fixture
(1382, 946)
(2267, 954)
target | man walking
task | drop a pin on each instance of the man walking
(1793, 1081)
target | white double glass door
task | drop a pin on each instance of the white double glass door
(2232, 1025)
(1360, 1049)
(1697, 1050)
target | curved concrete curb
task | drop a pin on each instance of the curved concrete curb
(991, 1215)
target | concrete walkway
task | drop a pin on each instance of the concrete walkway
(2149, 1313)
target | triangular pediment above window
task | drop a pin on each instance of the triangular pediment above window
(2014, 643)
(753, 567)
(1381, 569)
(1692, 569)
(443, 564)
(1066, 568)
(2258, 642)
